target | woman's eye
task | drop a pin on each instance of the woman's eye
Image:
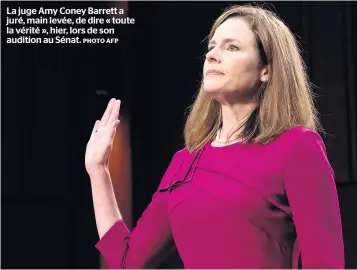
(210, 48)
(232, 47)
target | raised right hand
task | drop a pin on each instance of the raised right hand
(100, 143)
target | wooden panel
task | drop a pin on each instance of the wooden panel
(328, 72)
(48, 134)
(348, 205)
(36, 236)
(14, 126)
(351, 30)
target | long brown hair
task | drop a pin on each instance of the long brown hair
(286, 100)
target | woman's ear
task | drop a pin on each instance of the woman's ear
(264, 74)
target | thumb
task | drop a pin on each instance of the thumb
(114, 127)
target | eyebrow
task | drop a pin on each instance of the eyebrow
(225, 40)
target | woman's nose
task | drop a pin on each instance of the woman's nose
(213, 56)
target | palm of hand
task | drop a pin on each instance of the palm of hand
(101, 140)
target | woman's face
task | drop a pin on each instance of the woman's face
(232, 69)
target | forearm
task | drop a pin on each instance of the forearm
(105, 205)
(149, 242)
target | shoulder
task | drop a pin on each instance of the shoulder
(306, 161)
(305, 147)
(302, 137)
(299, 145)
(180, 155)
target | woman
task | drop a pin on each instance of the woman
(253, 187)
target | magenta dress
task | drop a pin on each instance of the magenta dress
(239, 206)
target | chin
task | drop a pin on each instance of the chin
(213, 92)
(214, 84)
(212, 87)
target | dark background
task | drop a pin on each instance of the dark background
(52, 94)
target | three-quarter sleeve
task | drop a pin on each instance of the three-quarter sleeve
(313, 199)
(150, 242)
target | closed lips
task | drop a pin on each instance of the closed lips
(214, 72)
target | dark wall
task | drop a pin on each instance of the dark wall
(51, 96)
